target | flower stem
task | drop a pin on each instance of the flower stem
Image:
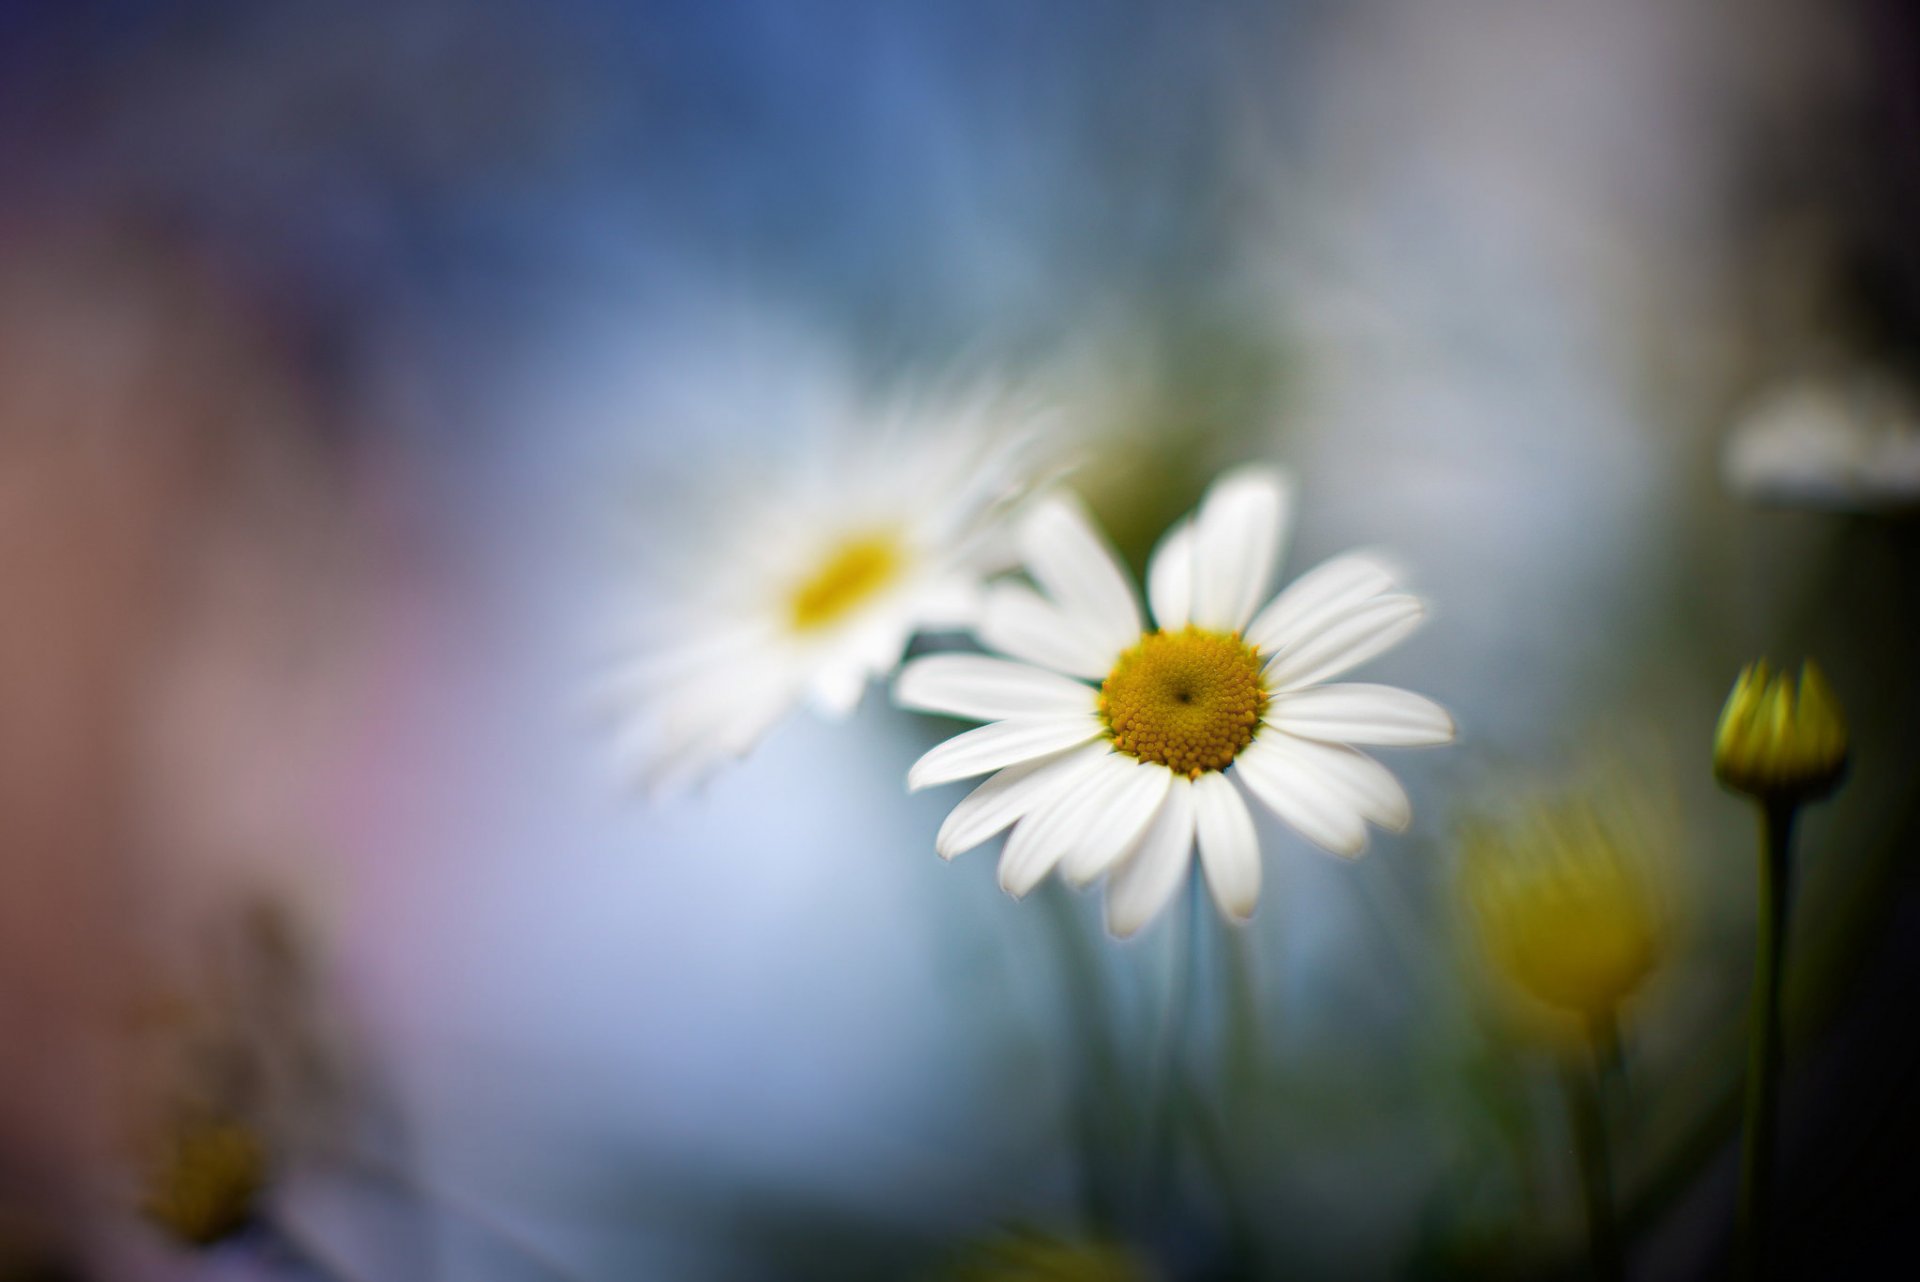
(1586, 1091)
(1097, 1090)
(1764, 1053)
(1162, 1151)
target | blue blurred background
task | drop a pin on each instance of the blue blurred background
(335, 341)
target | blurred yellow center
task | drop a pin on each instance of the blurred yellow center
(1187, 700)
(1563, 904)
(1582, 946)
(855, 572)
(206, 1183)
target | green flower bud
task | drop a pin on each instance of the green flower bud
(1780, 744)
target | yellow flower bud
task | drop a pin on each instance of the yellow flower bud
(1777, 743)
(1562, 905)
(207, 1181)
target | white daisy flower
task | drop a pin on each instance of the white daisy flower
(1849, 442)
(1116, 747)
(811, 584)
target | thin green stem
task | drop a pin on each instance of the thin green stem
(1609, 1059)
(1586, 1091)
(1210, 1144)
(1096, 1089)
(1162, 1151)
(1244, 1045)
(1764, 1045)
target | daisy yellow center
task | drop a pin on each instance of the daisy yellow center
(849, 578)
(1187, 700)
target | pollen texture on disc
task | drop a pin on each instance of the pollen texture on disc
(1187, 700)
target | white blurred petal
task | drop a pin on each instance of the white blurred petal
(1131, 794)
(1170, 578)
(1229, 846)
(1331, 780)
(835, 691)
(1044, 836)
(1364, 783)
(1003, 743)
(931, 475)
(1068, 558)
(1358, 712)
(985, 689)
(1345, 642)
(1328, 590)
(1008, 795)
(1019, 622)
(1236, 546)
(1271, 772)
(1141, 886)
(1846, 442)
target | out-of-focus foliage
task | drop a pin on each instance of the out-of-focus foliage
(1032, 1256)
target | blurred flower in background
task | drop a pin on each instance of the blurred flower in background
(1564, 896)
(231, 1071)
(1850, 442)
(174, 565)
(881, 524)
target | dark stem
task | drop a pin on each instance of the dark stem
(1586, 1091)
(1764, 1044)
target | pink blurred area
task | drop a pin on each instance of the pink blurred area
(186, 543)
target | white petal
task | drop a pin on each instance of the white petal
(1170, 578)
(948, 602)
(1346, 642)
(1272, 773)
(1069, 559)
(1229, 847)
(1044, 836)
(655, 666)
(1328, 590)
(1008, 795)
(836, 689)
(1334, 778)
(1019, 622)
(1141, 886)
(1236, 545)
(971, 685)
(1367, 786)
(1003, 743)
(1131, 795)
(1361, 713)
(702, 725)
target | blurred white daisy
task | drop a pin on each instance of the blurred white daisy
(1116, 747)
(1850, 442)
(802, 587)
